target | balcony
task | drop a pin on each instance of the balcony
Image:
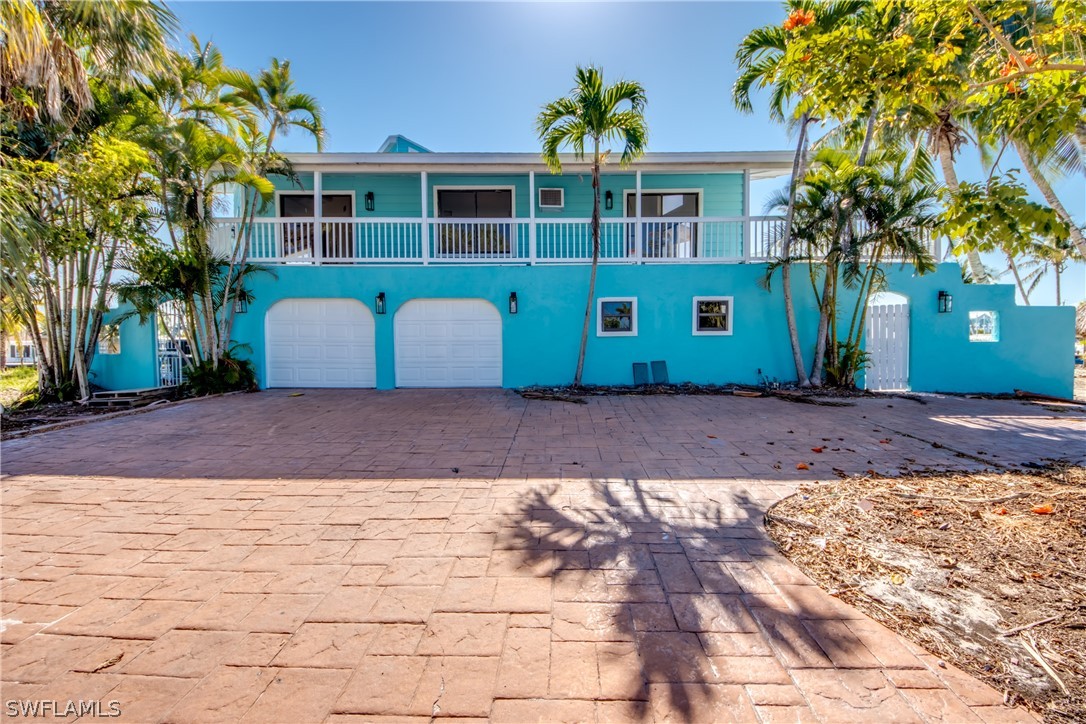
(512, 241)
(712, 240)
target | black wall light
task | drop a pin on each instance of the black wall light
(946, 302)
(379, 303)
(241, 304)
(370, 204)
(512, 302)
(609, 200)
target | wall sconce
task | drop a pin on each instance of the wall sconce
(512, 302)
(946, 302)
(370, 205)
(380, 302)
(241, 304)
(609, 200)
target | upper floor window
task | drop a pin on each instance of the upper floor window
(337, 237)
(333, 206)
(660, 238)
(459, 238)
(475, 203)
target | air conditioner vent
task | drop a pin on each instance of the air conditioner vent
(552, 198)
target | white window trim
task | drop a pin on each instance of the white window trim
(627, 193)
(599, 317)
(560, 205)
(477, 187)
(324, 192)
(731, 316)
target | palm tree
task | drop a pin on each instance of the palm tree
(273, 107)
(760, 57)
(590, 115)
(50, 50)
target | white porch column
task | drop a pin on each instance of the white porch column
(531, 217)
(318, 214)
(637, 211)
(425, 240)
(747, 228)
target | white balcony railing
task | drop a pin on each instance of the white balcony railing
(504, 241)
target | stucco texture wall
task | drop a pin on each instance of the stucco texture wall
(1034, 351)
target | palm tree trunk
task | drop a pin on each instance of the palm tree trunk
(1059, 297)
(826, 303)
(1050, 195)
(1018, 279)
(950, 176)
(595, 262)
(799, 166)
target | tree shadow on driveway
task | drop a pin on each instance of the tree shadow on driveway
(684, 597)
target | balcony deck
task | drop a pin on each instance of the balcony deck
(510, 241)
(517, 241)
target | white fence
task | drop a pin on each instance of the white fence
(503, 241)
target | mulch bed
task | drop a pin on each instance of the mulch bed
(47, 414)
(829, 397)
(986, 571)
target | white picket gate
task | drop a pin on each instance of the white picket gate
(887, 344)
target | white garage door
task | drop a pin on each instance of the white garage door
(320, 343)
(448, 343)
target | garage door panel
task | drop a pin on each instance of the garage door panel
(448, 343)
(320, 343)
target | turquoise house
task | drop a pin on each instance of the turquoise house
(422, 269)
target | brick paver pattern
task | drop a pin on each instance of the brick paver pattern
(359, 555)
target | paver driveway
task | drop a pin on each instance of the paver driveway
(467, 554)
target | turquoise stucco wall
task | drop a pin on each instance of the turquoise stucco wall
(135, 366)
(540, 342)
(1034, 351)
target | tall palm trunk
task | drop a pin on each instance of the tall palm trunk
(950, 176)
(1018, 278)
(823, 325)
(1039, 179)
(799, 167)
(595, 260)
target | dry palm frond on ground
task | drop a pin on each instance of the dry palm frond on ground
(988, 571)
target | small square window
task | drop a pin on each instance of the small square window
(983, 326)
(109, 341)
(616, 317)
(712, 315)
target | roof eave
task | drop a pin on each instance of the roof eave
(761, 164)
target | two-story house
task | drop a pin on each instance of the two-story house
(408, 268)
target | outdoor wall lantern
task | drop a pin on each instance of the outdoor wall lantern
(512, 302)
(609, 200)
(946, 302)
(370, 205)
(241, 305)
(380, 302)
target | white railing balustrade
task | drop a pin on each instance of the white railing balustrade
(502, 241)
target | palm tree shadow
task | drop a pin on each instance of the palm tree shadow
(636, 562)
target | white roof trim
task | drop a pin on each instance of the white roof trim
(761, 164)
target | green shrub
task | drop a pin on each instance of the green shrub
(230, 375)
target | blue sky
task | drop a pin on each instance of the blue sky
(467, 76)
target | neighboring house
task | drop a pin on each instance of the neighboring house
(17, 345)
(421, 269)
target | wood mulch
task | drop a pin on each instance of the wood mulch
(46, 414)
(986, 571)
